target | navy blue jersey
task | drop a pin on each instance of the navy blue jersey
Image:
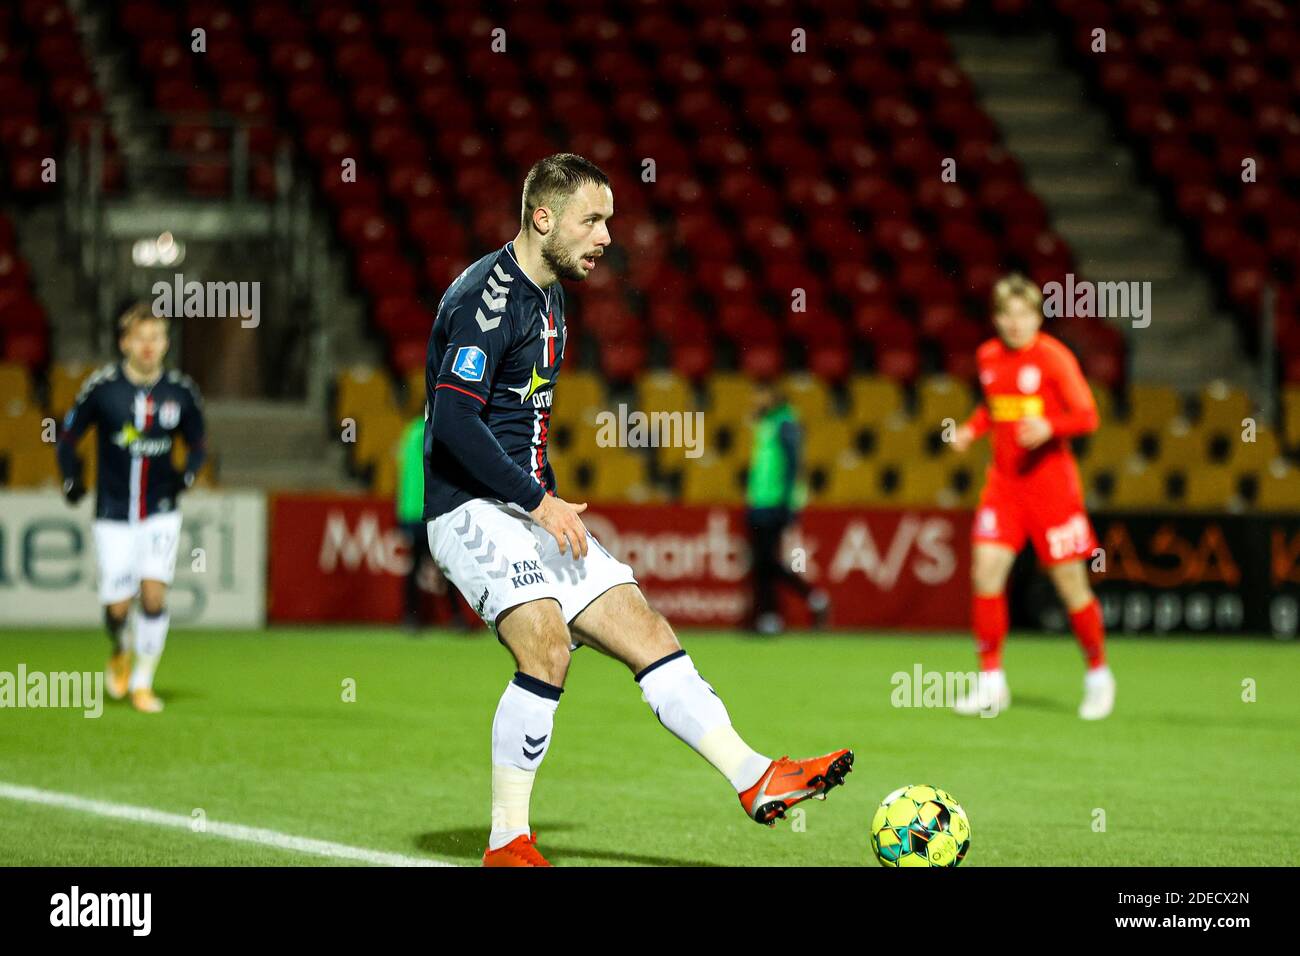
(494, 357)
(134, 429)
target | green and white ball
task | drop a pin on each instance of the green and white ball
(920, 826)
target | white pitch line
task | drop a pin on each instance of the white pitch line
(228, 831)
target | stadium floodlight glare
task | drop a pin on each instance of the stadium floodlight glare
(163, 251)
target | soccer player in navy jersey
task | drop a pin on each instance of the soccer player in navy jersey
(136, 407)
(519, 553)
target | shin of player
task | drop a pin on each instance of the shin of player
(137, 408)
(1035, 400)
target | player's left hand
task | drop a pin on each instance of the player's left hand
(1032, 432)
(187, 481)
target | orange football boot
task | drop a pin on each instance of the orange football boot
(787, 782)
(146, 701)
(521, 851)
(119, 675)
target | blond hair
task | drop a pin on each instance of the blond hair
(1015, 286)
(140, 312)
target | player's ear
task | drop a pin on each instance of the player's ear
(542, 220)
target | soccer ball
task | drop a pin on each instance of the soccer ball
(920, 826)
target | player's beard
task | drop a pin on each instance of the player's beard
(561, 261)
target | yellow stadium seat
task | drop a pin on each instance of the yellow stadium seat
(377, 435)
(898, 440)
(732, 439)
(32, 464)
(363, 390)
(924, 484)
(1137, 488)
(1253, 455)
(1153, 407)
(1210, 488)
(1111, 445)
(1278, 489)
(730, 396)
(661, 391)
(712, 481)
(1291, 416)
(809, 397)
(873, 398)
(414, 393)
(15, 386)
(619, 475)
(65, 384)
(383, 480)
(942, 396)
(1182, 446)
(853, 481)
(825, 440)
(579, 392)
(23, 426)
(1224, 407)
(1105, 402)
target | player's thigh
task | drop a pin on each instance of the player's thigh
(1071, 581)
(115, 555)
(621, 624)
(157, 541)
(490, 554)
(990, 566)
(535, 633)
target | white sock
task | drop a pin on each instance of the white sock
(521, 735)
(691, 709)
(150, 639)
(1097, 675)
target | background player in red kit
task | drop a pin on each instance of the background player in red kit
(1035, 401)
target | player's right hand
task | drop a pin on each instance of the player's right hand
(560, 518)
(74, 489)
(963, 439)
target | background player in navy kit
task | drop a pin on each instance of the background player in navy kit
(136, 407)
(519, 553)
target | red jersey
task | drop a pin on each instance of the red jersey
(1041, 380)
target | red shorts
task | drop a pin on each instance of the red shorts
(1056, 523)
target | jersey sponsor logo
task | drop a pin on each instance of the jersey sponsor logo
(550, 333)
(470, 363)
(529, 389)
(169, 414)
(1012, 408)
(1028, 379)
(524, 573)
(134, 443)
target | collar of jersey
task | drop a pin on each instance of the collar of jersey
(517, 269)
(162, 373)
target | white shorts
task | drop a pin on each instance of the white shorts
(133, 552)
(499, 557)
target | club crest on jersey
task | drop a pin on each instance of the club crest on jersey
(469, 363)
(169, 414)
(1028, 379)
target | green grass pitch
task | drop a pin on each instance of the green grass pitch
(257, 733)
